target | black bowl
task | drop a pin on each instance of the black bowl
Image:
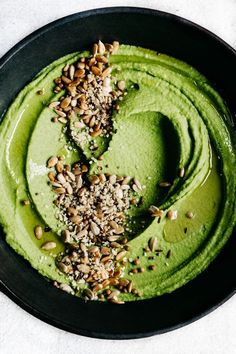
(165, 33)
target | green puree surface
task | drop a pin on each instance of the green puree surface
(170, 118)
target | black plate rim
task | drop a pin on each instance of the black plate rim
(3, 60)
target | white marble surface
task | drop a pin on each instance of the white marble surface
(20, 333)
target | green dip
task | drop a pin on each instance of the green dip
(170, 118)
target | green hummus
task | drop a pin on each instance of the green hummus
(170, 118)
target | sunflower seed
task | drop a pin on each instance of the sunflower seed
(65, 79)
(96, 71)
(38, 231)
(79, 181)
(120, 255)
(89, 294)
(66, 102)
(94, 134)
(138, 184)
(97, 288)
(66, 288)
(83, 268)
(164, 184)
(66, 67)
(66, 236)
(135, 188)
(49, 245)
(155, 211)
(72, 71)
(152, 244)
(94, 228)
(102, 178)
(76, 219)
(56, 185)
(83, 247)
(64, 268)
(69, 188)
(121, 85)
(130, 286)
(101, 47)
(115, 244)
(112, 179)
(95, 49)
(94, 249)
(115, 46)
(81, 234)
(60, 190)
(61, 178)
(52, 161)
(105, 251)
(181, 172)
(54, 104)
(51, 176)
(113, 294)
(107, 72)
(59, 167)
(72, 211)
(126, 180)
(71, 175)
(60, 113)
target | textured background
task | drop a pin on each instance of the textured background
(20, 333)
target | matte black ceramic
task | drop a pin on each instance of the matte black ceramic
(165, 33)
